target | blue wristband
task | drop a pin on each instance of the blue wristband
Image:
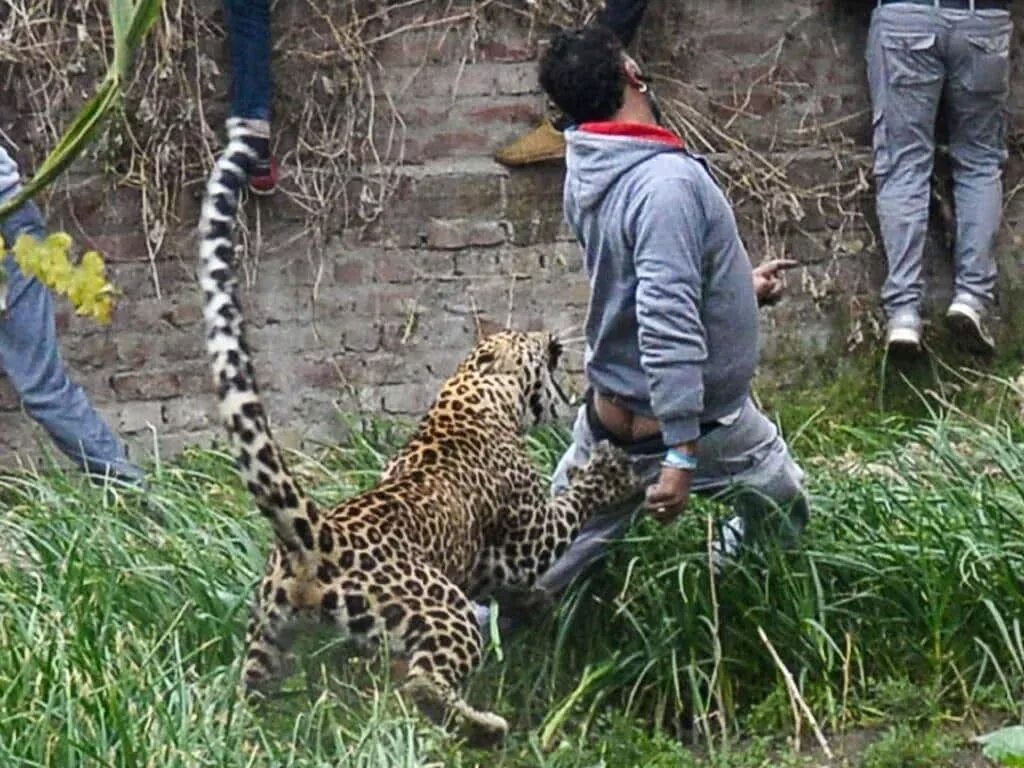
(679, 460)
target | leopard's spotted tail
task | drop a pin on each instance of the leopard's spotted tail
(278, 495)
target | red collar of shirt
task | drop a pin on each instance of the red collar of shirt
(634, 131)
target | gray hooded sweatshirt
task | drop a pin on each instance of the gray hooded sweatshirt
(672, 322)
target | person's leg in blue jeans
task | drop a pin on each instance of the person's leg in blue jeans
(251, 91)
(30, 357)
(545, 142)
(623, 18)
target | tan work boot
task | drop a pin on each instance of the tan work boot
(545, 142)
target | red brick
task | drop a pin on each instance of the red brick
(95, 351)
(185, 315)
(506, 51)
(517, 79)
(318, 374)
(448, 143)
(124, 247)
(363, 338)
(351, 271)
(405, 265)
(507, 113)
(190, 413)
(159, 384)
(454, 234)
(139, 417)
(94, 207)
(408, 399)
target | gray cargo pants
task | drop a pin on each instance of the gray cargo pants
(916, 54)
(746, 462)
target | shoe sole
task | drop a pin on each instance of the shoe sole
(904, 350)
(967, 334)
(548, 158)
(903, 342)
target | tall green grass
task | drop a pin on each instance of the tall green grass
(120, 635)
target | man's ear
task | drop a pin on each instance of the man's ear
(634, 75)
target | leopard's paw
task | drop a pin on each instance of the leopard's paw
(610, 472)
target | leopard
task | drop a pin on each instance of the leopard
(458, 512)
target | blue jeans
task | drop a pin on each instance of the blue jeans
(30, 358)
(623, 17)
(249, 35)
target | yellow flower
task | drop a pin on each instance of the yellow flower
(85, 285)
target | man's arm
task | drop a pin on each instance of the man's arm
(669, 257)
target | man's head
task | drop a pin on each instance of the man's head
(586, 73)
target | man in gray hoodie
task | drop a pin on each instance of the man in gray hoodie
(672, 325)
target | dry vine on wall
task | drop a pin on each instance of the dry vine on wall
(340, 135)
(338, 132)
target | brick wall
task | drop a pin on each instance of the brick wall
(356, 316)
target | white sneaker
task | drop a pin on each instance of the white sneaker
(482, 613)
(968, 328)
(904, 333)
(728, 544)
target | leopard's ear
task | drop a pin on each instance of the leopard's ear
(485, 327)
(495, 358)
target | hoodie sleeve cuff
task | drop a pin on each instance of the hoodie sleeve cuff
(680, 430)
(10, 177)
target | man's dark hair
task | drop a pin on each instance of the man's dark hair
(581, 72)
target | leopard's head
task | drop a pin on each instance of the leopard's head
(527, 363)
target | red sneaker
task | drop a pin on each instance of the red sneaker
(264, 177)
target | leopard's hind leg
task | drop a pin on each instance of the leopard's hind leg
(445, 645)
(429, 620)
(270, 632)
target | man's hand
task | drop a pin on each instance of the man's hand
(669, 497)
(767, 284)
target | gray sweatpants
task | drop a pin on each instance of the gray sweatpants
(746, 462)
(916, 54)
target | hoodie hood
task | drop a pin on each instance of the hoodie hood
(598, 154)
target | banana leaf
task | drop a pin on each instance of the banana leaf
(130, 21)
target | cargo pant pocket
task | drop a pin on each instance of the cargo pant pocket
(910, 59)
(989, 68)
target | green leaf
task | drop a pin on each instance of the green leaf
(1005, 746)
(131, 22)
(120, 19)
(74, 140)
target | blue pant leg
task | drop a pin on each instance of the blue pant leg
(623, 18)
(30, 358)
(249, 35)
